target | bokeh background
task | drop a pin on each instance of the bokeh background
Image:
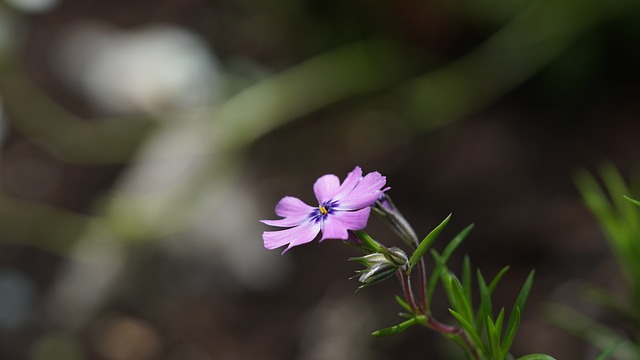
(142, 141)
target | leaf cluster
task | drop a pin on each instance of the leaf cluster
(609, 199)
(481, 333)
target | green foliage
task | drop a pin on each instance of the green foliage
(609, 350)
(426, 243)
(537, 357)
(619, 218)
(482, 334)
(488, 334)
(396, 329)
(442, 260)
(633, 201)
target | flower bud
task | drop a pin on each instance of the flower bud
(380, 266)
(386, 209)
(397, 257)
(376, 273)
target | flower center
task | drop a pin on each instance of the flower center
(323, 210)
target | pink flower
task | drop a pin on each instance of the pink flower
(341, 207)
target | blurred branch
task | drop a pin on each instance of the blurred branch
(65, 135)
(530, 41)
(56, 230)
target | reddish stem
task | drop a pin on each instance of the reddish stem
(406, 289)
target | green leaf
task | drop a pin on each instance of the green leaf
(485, 308)
(511, 330)
(608, 351)
(499, 354)
(493, 333)
(633, 201)
(403, 303)
(514, 317)
(441, 261)
(462, 306)
(500, 321)
(616, 187)
(618, 218)
(469, 330)
(497, 279)
(466, 280)
(426, 243)
(537, 357)
(396, 329)
(368, 241)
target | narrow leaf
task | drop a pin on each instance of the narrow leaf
(609, 351)
(514, 317)
(466, 280)
(441, 261)
(463, 307)
(403, 303)
(469, 330)
(368, 241)
(633, 201)
(396, 329)
(510, 333)
(497, 278)
(427, 242)
(485, 308)
(494, 339)
(536, 357)
(498, 333)
(500, 320)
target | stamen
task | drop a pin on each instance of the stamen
(323, 211)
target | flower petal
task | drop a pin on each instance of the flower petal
(294, 236)
(365, 193)
(349, 183)
(332, 228)
(287, 222)
(292, 206)
(325, 187)
(353, 220)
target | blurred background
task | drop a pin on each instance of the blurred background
(142, 141)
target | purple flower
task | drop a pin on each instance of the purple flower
(341, 207)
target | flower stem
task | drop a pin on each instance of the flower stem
(387, 209)
(442, 328)
(406, 289)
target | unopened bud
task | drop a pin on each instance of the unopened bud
(397, 257)
(380, 266)
(376, 273)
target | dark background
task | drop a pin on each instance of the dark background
(143, 140)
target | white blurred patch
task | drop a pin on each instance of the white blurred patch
(217, 226)
(33, 6)
(17, 299)
(229, 230)
(337, 329)
(147, 69)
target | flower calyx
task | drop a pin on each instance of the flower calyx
(380, 266)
